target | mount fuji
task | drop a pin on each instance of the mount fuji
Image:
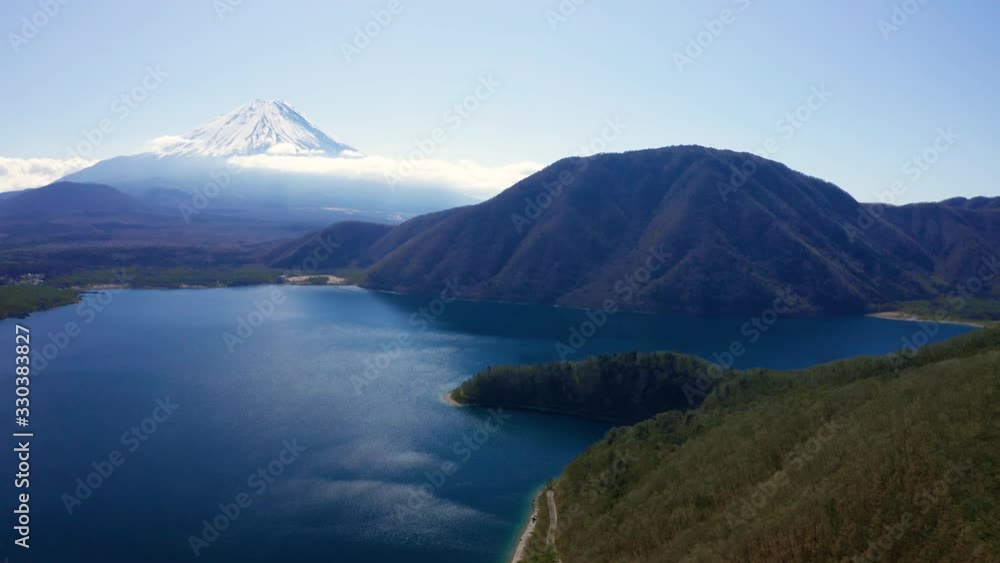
(257, 127)
(172, 175)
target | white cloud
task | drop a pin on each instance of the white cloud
(160, 143)
(465, 176)
(290, 149)
(20, 173)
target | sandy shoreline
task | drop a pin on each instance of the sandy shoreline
(306, 280)
(901, 316)
(529, 528)
(446, 399)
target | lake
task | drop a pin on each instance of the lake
(165, 426)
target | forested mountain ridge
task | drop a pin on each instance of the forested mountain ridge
(726, 231)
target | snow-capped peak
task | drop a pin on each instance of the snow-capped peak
(257, 127)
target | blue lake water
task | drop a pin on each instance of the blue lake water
(354, 467)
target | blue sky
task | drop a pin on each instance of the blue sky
(560, 79)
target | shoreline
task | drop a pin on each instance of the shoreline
(446, 399)
(82, 290)
(337, 281)
(613, 422)
(910, 318)
(305, 280)
(333, 280)
(529, 528)
(64, 298)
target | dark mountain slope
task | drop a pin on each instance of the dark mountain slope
(716, 240)
(348, 245)
(611, 212)
(68, 227)
(64, 199)
(957, 239)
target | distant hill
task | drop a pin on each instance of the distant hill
(65, 199)
(69, 227)
(348, 241)
(974, 203)
(721, 241)
(956, 238)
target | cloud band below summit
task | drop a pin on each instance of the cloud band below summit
(466, 176)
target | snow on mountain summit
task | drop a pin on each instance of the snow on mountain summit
(257, 127)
